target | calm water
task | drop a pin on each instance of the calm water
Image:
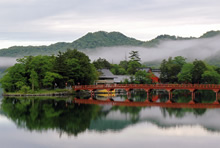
(58, 122)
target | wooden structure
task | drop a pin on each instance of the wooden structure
(145, 104)
(149, 87)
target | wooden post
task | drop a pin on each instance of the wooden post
(148, 95)
(91, 93)
(170, 96)
(193, 96)
(216, 96)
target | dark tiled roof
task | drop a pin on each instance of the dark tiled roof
(106, 73)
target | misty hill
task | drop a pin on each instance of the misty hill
(210, 34)
(92, 41)
(104, 39)
(89, 41)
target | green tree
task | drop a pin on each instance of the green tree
(171, 68)
(87, 70)
(185, 76)
(198, 69)
(41, 65)
(12, 76)
(124, 64)
(118, 70)
(179, 60)
(43, 71)
(101, 63)
(34, 80)
(134, 56)
(50, 79)
(210, 76)
(133, 67)
(142, 77)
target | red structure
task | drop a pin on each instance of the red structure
(145, 104)
(149, 87)
(154, 78)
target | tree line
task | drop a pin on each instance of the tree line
(74, 67)
(177, 70)
(39, 72)
(173, 70)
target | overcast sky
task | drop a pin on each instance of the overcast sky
(38, 22)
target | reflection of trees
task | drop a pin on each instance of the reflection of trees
(40, 115)
(66, 117)
(182, 96)
(132, 111)
(180, 112)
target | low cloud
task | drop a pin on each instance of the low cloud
(190, 49)
(6, 62)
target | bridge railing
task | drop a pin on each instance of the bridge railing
(158, 86)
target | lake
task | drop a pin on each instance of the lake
(61, 122)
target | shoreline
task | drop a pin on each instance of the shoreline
(39, 94)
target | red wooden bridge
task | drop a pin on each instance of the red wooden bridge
(149, 87)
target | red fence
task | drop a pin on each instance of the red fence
(215, 87)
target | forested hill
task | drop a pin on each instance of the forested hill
(91, 41)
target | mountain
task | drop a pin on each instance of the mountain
(210, 34)
(104, 39)
(91, 41)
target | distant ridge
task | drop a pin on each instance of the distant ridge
(91, 41)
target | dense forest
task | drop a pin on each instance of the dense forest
(91, 41)
(33, 73)
(177, 70)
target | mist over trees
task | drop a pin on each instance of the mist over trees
(74, 67)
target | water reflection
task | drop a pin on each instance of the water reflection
(65, 116)
(41, 115)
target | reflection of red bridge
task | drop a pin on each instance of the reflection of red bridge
(148, 87)
(145, 104)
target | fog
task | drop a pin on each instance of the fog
(190, 49)
(7, 61)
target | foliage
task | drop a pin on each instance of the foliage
(34, 80)
(142, 77)
(124, 64)
(101, 64)
(50, 79)
(199, 68)
(118, 70)
(13, 77)
(134, 56)
(211, 77)
(171, 68)
(196, 72)
(25, 89)
(133, 67)
(44, 71)
(185, 75)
